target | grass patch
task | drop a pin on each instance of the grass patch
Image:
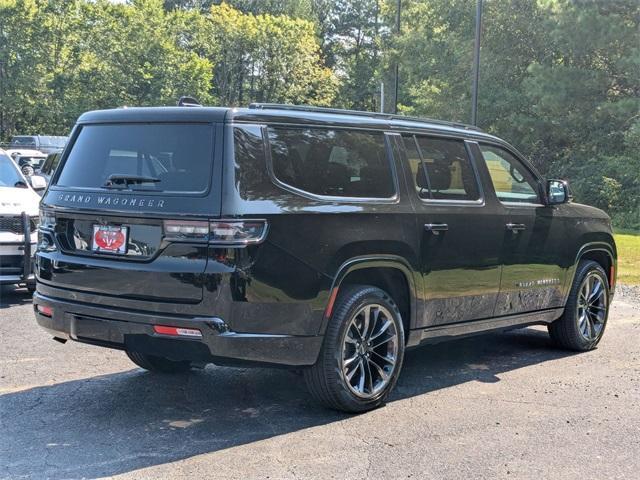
(628, 244)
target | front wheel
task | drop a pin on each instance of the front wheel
(362, 353)
(158, 364)
(584, 319)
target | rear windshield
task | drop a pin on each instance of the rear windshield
(23, 141)
(141, 157)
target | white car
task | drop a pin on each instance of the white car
(18, 152)
(19, 205)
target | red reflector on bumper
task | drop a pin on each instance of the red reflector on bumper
(44, 310)
(177, 331)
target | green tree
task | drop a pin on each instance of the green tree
(267, 58)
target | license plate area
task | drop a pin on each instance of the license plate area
(110, 239)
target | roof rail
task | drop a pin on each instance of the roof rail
(387, 116)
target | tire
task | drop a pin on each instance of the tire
(158, 364)
(27, 170)
(582, 324)
(344, 353)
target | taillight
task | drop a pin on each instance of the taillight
(237, 232)
(186, 230)
(219, 232)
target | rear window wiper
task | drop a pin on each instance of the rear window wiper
(123, 181)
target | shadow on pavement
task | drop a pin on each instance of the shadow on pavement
(117, 423)
(11, 295)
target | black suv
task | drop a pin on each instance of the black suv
(322, 240)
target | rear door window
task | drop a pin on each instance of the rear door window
(441, 169)
(143, 157)
(335, 163)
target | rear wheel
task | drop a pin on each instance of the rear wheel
(362, 352)
(585, 316)
(158, 364)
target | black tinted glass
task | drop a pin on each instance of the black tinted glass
(150, 157)
(449, 173)
(327, 162)
(252, 180)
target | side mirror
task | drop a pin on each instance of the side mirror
(558, 192)
(38, 182)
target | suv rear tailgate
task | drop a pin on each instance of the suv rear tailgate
(116, 185)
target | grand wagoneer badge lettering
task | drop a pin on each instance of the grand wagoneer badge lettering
(538, 283)
(109, 200)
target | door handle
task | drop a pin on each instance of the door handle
(516, 227)
(436, 228)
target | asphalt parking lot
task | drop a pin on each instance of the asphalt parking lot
(497, 406)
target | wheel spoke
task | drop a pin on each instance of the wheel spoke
(353, 372)
(354, 326)
(374, 314)
(350, 360)
(382, 329)
(383, 375)
(368, 364)
(382, 342)
(390, 361)
(582, 323)
(365, 323)
(596, 290)
(592, 329)
(362, 377)
(349, 339)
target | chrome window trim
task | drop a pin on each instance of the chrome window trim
(479, 202)
(395, 198)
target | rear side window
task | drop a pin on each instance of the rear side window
(339, 163)
(146, 157)
(441, 169)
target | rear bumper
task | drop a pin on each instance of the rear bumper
(133, 330)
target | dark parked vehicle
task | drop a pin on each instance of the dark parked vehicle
(44, 143)
(323, 240)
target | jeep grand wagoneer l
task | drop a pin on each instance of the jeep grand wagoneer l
(324, 240)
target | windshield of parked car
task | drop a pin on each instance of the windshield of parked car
(9, 174)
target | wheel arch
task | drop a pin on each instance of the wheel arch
(604, 254)
(381, 271)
